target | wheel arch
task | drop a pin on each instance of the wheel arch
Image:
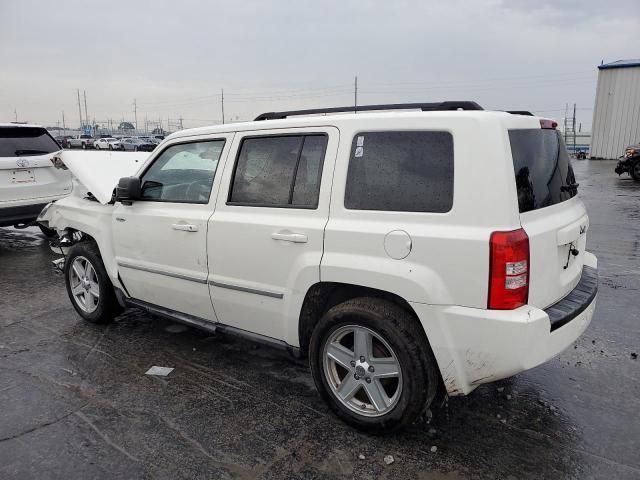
(321, 296)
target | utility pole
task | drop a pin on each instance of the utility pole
(86, 115)
(64, 127)
(181, 128)
(79, 109)
(15, 114)
(222, 103)
(574, 128)
(355, 95)
(135, 114)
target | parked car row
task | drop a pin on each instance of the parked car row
(106, 142)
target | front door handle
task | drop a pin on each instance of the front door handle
(185, 227)
(287, 236)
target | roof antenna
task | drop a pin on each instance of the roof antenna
(355, 93)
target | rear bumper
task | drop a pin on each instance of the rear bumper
(475, 346)
(20, 214)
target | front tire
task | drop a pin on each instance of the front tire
(88, 284)
(635, 170)
(372, 364)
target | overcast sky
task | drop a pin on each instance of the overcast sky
(174, 57)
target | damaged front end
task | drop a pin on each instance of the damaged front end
(86, 214)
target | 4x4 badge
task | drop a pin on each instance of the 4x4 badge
(583, 229)
(22, 162)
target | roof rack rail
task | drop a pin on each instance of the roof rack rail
(520, 112)
(425, 107)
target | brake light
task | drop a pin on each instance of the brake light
(544, 123)
(508, 270)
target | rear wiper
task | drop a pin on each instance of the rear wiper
(29, 152)
(569, 187)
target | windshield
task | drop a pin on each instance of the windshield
(17, 141)
(543, 172)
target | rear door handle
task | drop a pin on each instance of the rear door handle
(185, 227)
(287, 236)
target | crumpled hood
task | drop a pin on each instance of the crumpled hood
(100, 171)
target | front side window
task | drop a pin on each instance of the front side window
(183, 173)
(279, 171)
(401, 171)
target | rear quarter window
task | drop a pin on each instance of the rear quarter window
(401, 171)
(543, 172)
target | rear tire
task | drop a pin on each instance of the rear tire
(402, 374)
(635, 170)
(88, 285)
(84, 146)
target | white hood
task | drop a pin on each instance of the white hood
(100, 171)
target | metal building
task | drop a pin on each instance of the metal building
(616, 115)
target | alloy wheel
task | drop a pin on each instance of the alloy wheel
(362, 370)
(83, 280)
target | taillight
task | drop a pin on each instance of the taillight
(508, 270)
(545, 123)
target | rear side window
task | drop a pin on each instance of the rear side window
(279, 171)
(544, 176)
(18, 141)
(401, 171)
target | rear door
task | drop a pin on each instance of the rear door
(266, 236)
(551, 214)
(26, 171)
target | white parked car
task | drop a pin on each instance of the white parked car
(405, 253)
(28, 179)
(107, 144)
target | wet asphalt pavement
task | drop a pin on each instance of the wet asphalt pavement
(75, 403)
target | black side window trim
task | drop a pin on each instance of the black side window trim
(143, 173)
(304, 136)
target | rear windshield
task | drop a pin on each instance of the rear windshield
(544, 175)
(19, 141)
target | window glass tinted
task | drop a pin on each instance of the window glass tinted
(183, 173)
(18, 141)
(309, 172)
(279, 171)
(401, 171)
(543, 171)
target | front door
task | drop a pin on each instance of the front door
(160, 240)
(266, 235)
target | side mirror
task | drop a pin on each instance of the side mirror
(128, 190)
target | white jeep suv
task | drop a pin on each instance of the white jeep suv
(402, 252)
(28, 179)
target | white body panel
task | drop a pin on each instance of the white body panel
(31, 179)
(258, 280)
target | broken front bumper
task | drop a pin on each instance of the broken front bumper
(475, 346)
